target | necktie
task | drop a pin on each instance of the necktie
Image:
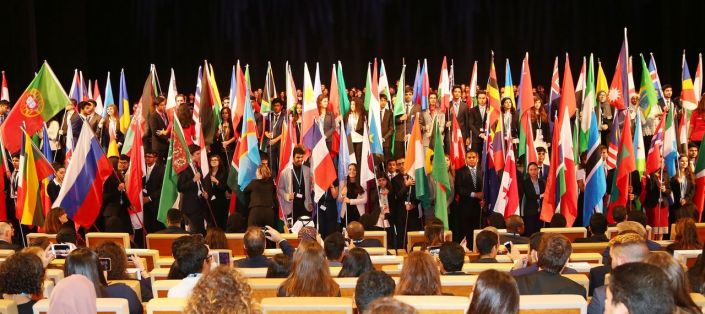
(473, 172)
(540, 171)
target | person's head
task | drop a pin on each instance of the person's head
(433, 103)
(487, 243)
(7, 231)
(495, 292)
(352, 172)
(372, 285)
(356, 262)
(471, 159)
(391, 165)
(310, 273)
(222, 290)
(74, 294)
(598, 223)
(83, 261)
(400, 165)
(419, 275)
(619, 213)
(383, 100)
(408, 94)
(22, 273)
(59, 171)
(482, 97)
(195, 152)
(452, 256)
(263, 172)
(299, 153)
(4, 105)
(667, 91)
(433, 232)
(150, 157)
(631, 227)
(533, 170)
(174, 217)
(86, 107)
(515, 224)
(322, 102)
(215, 239)
(214, 161)
(16, 162)
(254, 241)
(638, 288)
(389, 305)
(277, 105)
(334, 245)
(540, 154)
(160, 102)
(692, 151)
(554, 252)
(496, 220)
(356, 231)
(686, 233)
(558, 221)
(637, 216)
(118, 259)
(192, 258)
(506, 104)
(676, 278)
(55, 218)
(534, 244)
(683, 162)
(279, 266)
(627, 248)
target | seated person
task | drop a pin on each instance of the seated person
(356, 232)
(597, 229)
(419, 275)
(619, 214)
(372, 285)
(497, 220)
(254, 242)
(622, 297)
(554, 253)
(174, 272)
(355, 263)
(515, 228)
(487, 243)
(193, 261)
(310, 274)
(279, 266)
(452, 257)
(118, 267)
(222, 290)
(389, 305)
(334, 245)
(558, 221)
(640, 217)
(174, 219)
(630, 227)
(433, 237)
(7, 232)
(274, 236)
(528, 264)
(21, 280)
(74, 294)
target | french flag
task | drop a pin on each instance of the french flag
(322, 164)
(81, 193)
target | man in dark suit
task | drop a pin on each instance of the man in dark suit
(459, 110)
(158, 123)
(6, 234)
(477, 118)
(597, 228)
(403, 123)
(402, 208)
(274, 133)
(154, 175)
(515, 228)
(452, 257)
(487, 245)
(356, 233)
(254, 247)
(387, 117)
(174, 219)
(543, 169)
(193, 193)
(554, 252)
(86, 111)
(468, 186)
(533, 188)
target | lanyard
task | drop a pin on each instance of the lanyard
(297, 178)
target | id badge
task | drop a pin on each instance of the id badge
(299, 195)
(323, 207)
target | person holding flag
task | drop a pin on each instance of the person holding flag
(194, 195)
(294, 189)
(403, 123)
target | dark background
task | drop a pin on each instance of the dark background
(101, 36)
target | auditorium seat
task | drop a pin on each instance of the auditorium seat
(258, 272)
(105, 306)
(133, 284)
(552, 304)
(379, 235)
(57, 264)
(35, 235)
(699, 299)
(458, 285)
(597, 247)
(375, 251)
(687, 257)
(379, 261)
(94, 239)
(236, 243)
(477, 231)
(581, 279)
(158, 274)
(476, 268)
(347, 286)
(6, 253)
(330, 305)
(162, 242)
(612, 232)
(48, 288)
(54, 275)
(571, 233)
(8, 307)
(150, 256)
(699, 227)
(595, 258)
(418, 237)
(166, 306)
(335, 270)
(292, 238)
(160, 288)
(164, 261)
(264, 287)
(436, 304)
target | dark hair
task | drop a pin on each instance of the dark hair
(497, 220)
(419, 275)
(66, 235)
(279, 266)
(434, 232)
(539, 149)
(193, 148)
(637, 216)
(535, 241)
(515, 224)
(83, 261)
(619, 213)
(190, 258)
(651, 282)
(667, 86)
(4, 102)
(52, 224)
(495, 292)
(118, 259)
(676, 278)
(83, 104)
(299, 150)
(372, 285)
(452, 256)
(22, 273)
(40, 242)
(554, 252)
(174, 216)
(598, 223)
(215, 239)
(558, 221)
(485, 241)
(277, 101)
(254, 241)
(356, 262)
(334, 245)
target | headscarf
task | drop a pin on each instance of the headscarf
(74, 294)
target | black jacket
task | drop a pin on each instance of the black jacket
(542, 282)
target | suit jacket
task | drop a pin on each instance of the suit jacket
(191, 200)
(368, 243)
(464, 187)
(387, 126)
(515, 238)
(274, 125)
(546, 169)
(328, 126)
(153, 186)
(477, 122)
(678, 193)
(260, 261)
(463, 116)
(514, 125)
(401, 131)
(359, 127)
(285, 187)
(542, 282)
(597, 303)
(160, 143)
(531, 199)
(77, 123)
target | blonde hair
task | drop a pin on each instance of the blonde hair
(223, 290)
(264, 171)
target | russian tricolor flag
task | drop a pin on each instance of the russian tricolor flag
(81, 193)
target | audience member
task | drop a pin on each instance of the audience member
(355, 263)
(696, 274)
(622, 297)
(174, 220)
(372, 285)
(496, 220)
(273, 235)
(174, 272)
(334, 245)
(7, 232)
(223, 290)
(597, 228)
(488, 246)
(74, 294)
(215, 239)
(57, 220)
(529, 264)
(279, 266)
(118, 267)
(356, 232)
(515, 228)
(677, 279)
(193, 262)
(619, 214)
(389, 305)
(419, 275)
(553, 255)
(22, 280)
(452, 257)
(44, 254)
(686, 236)
(310, 274)
(495, 293)
(308, 233)
(254, 248)
(433, 236)
(558, 221)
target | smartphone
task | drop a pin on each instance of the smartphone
(508, 245)
(224, 258)
(265, 231)
(105, 264)
(60, 250)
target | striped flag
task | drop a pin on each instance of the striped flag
(441, 178)
(108, 95)
(32, 170)
(171, 105)
(698, 80)
(124, 104)
(626, 164)
(178, 159)
(554, 95)
(98, 100)
(648, 99)
(374, 113)
(4, 92)
(444, 87)
(310, 112)
(472, 102)
(595, 181)
(688, 102)
(654, 77)
(639, 150)
(248, 153)
(526, 102)
(508, 199)
(509, 85)
(414, 163)
(699, 196)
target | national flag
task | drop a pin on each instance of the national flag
(457, 145)
(638, 146)
(561, 187)
(383, 84)
(688, 102)
(270, 90)
(595, 181)
(588, 107)
(374, 112)
(495, 138)
(171, 105)
(90, 91)
(75, 90)
(177, 160)
(526, 102)
(601, 85)
(241, 96)
(630, 79)
(149, 94)
(108, 95)
(648, 98)
(425, 89)
(507, 202)
(414, 164)
(439, 173)
(41, 101)
(698, 80)
(290, 90)
(580, 92)
(334, 95)
(472, 102)
(618, 95)
(398, 105)
(248, 153)
(699, 196)
(49, 155)
(613, 145)
(444, 94)
(342, 91)
(653, 71)
(321, 164)
(83, 91)
(344, 159)
(4, 92)
(670, 144)
(285, 163)
(310, 112)
(509, 85)
(207, 112)
(416, 98)
(4, 173)
(625, 166)
(554, 94)
(133, 178)
(32, 170)
(124, 104)
(81, 193)
(317, 84)
(215, 96)
(493, 97)
(654, 155)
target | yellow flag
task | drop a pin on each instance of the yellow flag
(601, 85)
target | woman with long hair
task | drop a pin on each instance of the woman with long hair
(55, 219)
(215, 239)
(682, 186)
(224, 141)
(539, 123)
(118, 267)
(355, 125)
(419, 275)
(297, 119)
(495, 293)
(435, 115)
(111, 137)
(677, 280)
(686, 236)
(184, 113)
(263, 198)
(353, 195)
(218, 178)
(325, 119)
(310, 274)
(510, 119)
(223, 290)
(356, 262)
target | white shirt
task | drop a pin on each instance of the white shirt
(184, 288)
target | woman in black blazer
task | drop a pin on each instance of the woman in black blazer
(533, 199)
(682, 186)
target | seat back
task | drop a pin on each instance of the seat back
(698, 298)
(379, 235)
(347, 286)
(437, 304)
(331, 305)
(292, 238)
(595, 258)
(375, 251)
(687, 257)
(571, 233)
(54, 275)
(552, 303)
(236, 243)
(166, 306)
(417, 236)
(150, 256)
(8, 307)
(162, 242)
(133, 284)
(597, 247)
(264, 287)
(160, 288)
(158, 274)
(94, 239)
(460, 286)
(257, 272)
(699, 228)
(35, 235)
(476, 268)
(612, 232)
(6, 253)
(104, 305)
(378, 261)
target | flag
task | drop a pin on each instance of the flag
(440, 177)
(90, 91)
(124, 104)
(42, 100)
(310, 112)
(75, 90)
(444, 94)
(4, 92)
(508, 199)
(270, 90)
(383, 84)
(398, 105)
(177, 160)
(670, 143)
(285, 162)
(601, 80)
(509, 85)
(241, 97)
(317, 85)
(588, 108)
(108, 94)
(625, 166)
(554, 95)
(342, 91)
(32, 170)
(321, 165)
(215, 96)
(698, 80)
(133, 178)
(638, 146)
(526, 102)
(248, 153)
(618, 95)
(207, 112)
(647, 93)
(4, 171)
(654, 155)
(473, 86)
(699, 196)
(344, 159)
(49, 155)
(561, 186)
(425, 89)
(630, 79)
(595, 181)
(148, 97)
(98, 100)
(613, 145)
(81, 193)
(290, 90)
(579, 97)
(374, 112)
(688, 102)
(334, 97)
(416, 97)
(654, 77)
(171, 105)
(493, 95)
(457, 145)
(83, 91)
(414, 163)
(494, 143)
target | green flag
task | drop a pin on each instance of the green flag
(589, 103)
(178, 159)
(344, 100)
(647, 93)
(439, 173)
